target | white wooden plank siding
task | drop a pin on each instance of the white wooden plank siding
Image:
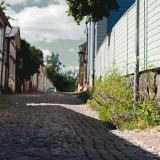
(153, 54)
(119, 45)
(142, 38)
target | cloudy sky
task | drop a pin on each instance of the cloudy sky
(45, 24)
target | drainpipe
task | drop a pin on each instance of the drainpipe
(4, 31)
(7, 65)
(136, 73)
(92, 49)
(88, 19)
(86, 69)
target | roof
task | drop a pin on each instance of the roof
(5, 19)
(82, 47)
(13, 33)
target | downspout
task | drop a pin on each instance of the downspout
(2, 57)
(8, 51)
(136, 73)
(88, 20)
(92, 49)
(93, 53)
(86, 72)
(7, 65)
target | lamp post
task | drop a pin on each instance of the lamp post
(81, 68)
(136, 71)
(81, 54)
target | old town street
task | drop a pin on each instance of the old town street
(58, 126)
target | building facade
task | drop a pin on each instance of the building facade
(3, 53)
(97, 33)
(12, 38)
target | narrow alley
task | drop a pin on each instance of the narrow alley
(58, 126)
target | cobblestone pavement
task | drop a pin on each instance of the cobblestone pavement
(57, 126)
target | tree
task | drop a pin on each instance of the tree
(53, 65)
(64, 82)
(29, 60)
(96, 9)
(4, 6)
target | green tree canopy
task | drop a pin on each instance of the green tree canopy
(63, 81)
(30, 58)
(4, 6)
(53, 65)
(96, 9)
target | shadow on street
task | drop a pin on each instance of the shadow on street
(50, 126)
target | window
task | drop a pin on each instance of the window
(12, 67)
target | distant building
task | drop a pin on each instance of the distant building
(12, 38)
(48, 82)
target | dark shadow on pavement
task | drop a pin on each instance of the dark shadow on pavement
(54, 132)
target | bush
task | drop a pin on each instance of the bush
(114, 101)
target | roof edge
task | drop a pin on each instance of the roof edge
(5, 18)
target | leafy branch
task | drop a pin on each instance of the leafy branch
(96, 9)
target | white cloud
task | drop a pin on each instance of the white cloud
(46, 52)
(71, 50)
(14, 2)
(70, 68)
(48, 23)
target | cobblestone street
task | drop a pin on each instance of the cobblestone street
(57, 126)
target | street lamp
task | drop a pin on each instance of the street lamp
(81, 54)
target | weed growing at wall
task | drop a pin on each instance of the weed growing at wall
(114, 101)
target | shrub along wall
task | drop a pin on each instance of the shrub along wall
(112, 96)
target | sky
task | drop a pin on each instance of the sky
(45, 24)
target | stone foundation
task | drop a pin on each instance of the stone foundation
(149, 83)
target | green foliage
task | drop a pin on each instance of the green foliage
(114, 101)
(32, 59)
(4, 6)
(64, 82)
(53, 65)
(96, 9)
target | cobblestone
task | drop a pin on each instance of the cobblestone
(58, 126)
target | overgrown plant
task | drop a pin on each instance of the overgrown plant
(114, 101)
